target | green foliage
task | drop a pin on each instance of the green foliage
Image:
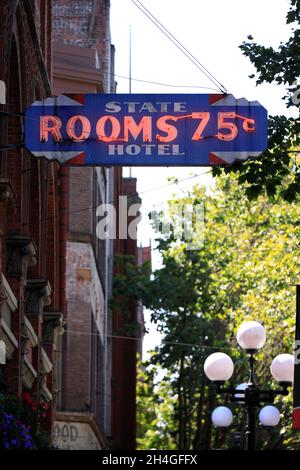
(155, 407)
(129, 286)
(245, 270)
(276, 171)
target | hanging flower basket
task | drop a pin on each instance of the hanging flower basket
(23, 423)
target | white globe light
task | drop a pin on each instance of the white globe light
(241, 387)
(218, 367)
(251, 335)
(269, 416)
(282, 368)
(222, 417)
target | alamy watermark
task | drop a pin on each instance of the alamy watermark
(179, 222)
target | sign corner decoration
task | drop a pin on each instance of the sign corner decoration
(146, 129)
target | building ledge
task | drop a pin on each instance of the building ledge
(53, 325)
(21, 254)
(46, 363)
(39, 292)
(31, 333)
(46, 394)
(10, 296)
(6, 335)
(75, 417)
(30, 374)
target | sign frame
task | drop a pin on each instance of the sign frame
(146, 129)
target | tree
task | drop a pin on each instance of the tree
(244, 270)
(277, 169)
(155, 405)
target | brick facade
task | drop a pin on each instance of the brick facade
(85, 23)
(52, 264)
(32, 246)
(124, 351)
(82, 65)
(99, 369)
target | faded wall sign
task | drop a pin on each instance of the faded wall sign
(83, 280)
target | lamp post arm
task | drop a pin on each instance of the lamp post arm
(260, 396)
(265, 394)
(225, 390)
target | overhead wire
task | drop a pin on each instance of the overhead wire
(108, 202)
(95, 206)
(205, 71)
(186, 52)
(129, 196)
(172, 343)
(131, 338)
(162, 84)
(179, 45)
(151, 82)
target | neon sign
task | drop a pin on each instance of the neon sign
(140, 130)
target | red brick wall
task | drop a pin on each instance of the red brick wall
(74, 24)
(83, 23)
(25, 66)
(80, 22)
(76, 357)
(124, 351)
(80, 199)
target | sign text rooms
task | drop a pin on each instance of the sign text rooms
(159, 134)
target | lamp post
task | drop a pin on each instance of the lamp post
(218, 367)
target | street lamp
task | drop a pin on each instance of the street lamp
(269, 416)
(218, 367)
(222, 417)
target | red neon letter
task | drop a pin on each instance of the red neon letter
(115, 128)
(222, 124)
(170, 130)
(135, 129)
(50, 124)
(205, 117)
(85, 128)
(249, 125)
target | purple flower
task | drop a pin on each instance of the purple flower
(28, 444)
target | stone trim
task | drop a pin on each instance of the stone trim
(21, 252)
(45, 393)
(10, 297)
(29, 374)
(7, 201)
(89, 418)
(31, 333)
(52, 325)
(11, 343)
(46, 364)
(39, 291)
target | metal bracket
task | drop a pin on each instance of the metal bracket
(12, 146)
(7, 114)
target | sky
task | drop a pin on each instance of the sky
(212, 31)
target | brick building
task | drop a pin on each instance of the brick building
(96, 405)
(124, 348)
(54, 270)
(32, 242)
